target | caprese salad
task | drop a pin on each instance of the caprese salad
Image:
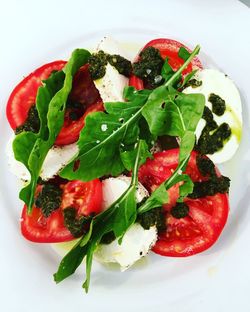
(120, 155)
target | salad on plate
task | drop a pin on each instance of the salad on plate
(120, 156)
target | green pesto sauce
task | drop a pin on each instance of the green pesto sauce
(153, 217)
(49, 199)
(122, 65)
(194, 83)
(218, 104)
(149, 67)
(213, 137)
(76, 225)
(98, 62)
(213, 185)
(180, 210)
(32, 123)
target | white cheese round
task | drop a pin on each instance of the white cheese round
(112, 84)
(113, 188)
(135, 244)
(214, 81)
(55, 160)
(136, 241)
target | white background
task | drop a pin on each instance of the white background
(33, 33)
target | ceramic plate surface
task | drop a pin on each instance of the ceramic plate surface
(34, 33)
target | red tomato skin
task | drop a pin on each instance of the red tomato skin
(70, 134)
(84, 92)
(86, 198)
(36, 228)
(207, 216)
(24, 95)
(199, 244)
(20, 100)
(168, 48)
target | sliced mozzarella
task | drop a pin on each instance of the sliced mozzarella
(137, 241)
(113, 188)
(55, 160)
(112, 84)
(135, 244)
(16, 167)
(214, 81)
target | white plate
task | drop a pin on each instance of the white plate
(218, 279)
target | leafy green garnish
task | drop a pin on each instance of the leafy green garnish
(117, 219)
(166, 71)
(128, 156)
(183, 53)
(99, 150)
(30, 148)
(175, 114)
(187, 79)
(160, 196)
(107, 150)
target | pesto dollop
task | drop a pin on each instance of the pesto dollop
(153, 217)
(218, 104)
(194, 83)
(32, 122)
(210, 187)
(149, 67)
(74, 110)
(49, 199)
(180, 210)
(97, 65)
(98, 62)
(214, 183)
(76, 225)
(213, 137)
(108, 238)
(122, 65)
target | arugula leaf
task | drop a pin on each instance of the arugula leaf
(167, 70)
(122, 213)
(155, 200)
(128, 156)
(99, 150)
(117, 218)
(187, 78)
(160, 196)
(186, 188)
(51, 101)
(183, 53)
(73, 258)
(175, 114)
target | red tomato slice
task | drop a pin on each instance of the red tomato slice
(71, 129)
(85, 197)
(37, 228)
(24, 94)
(83, 92)
(168, 48)
(207, 216)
